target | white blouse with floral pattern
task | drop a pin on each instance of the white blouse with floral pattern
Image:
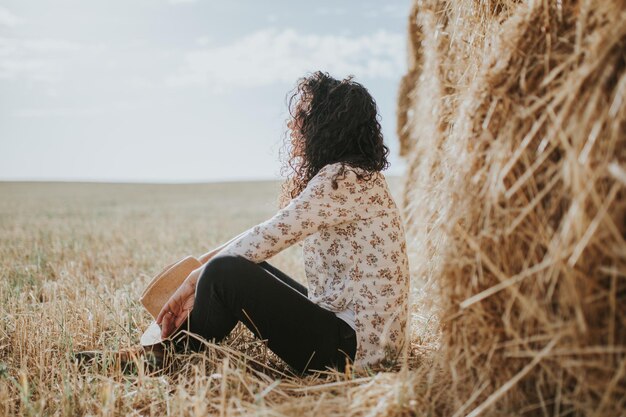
(354, 249)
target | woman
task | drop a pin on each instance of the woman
(338, 204)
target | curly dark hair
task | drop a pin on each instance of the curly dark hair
(331, 121)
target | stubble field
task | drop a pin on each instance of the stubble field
(74, 258)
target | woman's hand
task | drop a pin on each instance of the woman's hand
(177, 308)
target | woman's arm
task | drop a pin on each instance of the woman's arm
(318, 206)
(207, 256)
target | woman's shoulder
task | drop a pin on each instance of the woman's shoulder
(332, 167)
(348, 169)
(341, 177)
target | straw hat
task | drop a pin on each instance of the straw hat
(159, 291)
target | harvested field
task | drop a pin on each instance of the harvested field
(74, 258)
(512, 118)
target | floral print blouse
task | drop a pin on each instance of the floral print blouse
(354, 249)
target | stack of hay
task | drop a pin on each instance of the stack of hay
(513, 120)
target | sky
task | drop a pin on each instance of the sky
(179, 90)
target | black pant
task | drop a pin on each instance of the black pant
(274, 307)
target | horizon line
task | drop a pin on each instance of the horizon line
(143, 182)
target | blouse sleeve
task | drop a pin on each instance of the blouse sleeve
(318, 206)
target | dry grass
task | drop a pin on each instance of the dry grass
(73, 261)
(513, 117)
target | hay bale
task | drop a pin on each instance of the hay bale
(513, 120)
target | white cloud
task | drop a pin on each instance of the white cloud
(181, 1)
(37, 59)
(389, 10)
(7, 18)
(203, 40)
(57, 112)
(281, 56)
(48, 45)
(36, 69)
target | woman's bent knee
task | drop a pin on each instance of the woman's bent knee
(219, 270)
(224, 263)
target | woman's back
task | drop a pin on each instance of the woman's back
(354, 253)
(361, 265)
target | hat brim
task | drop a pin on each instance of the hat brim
(152, 335)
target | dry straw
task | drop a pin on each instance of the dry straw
(513, 119)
